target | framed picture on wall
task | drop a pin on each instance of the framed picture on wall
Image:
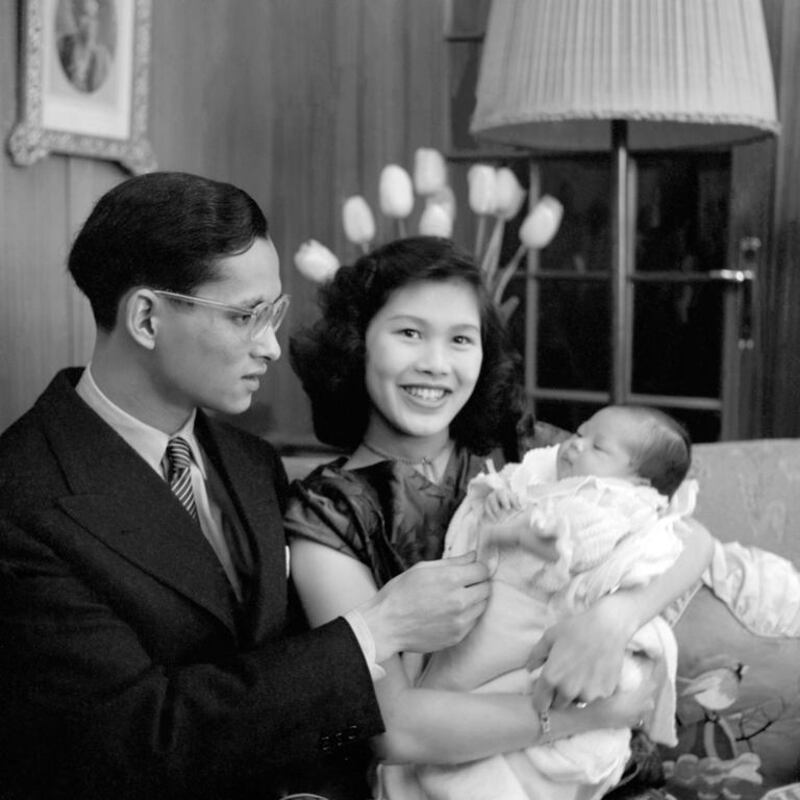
(84, 81)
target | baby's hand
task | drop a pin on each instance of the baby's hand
(500, 503)
(514, 529)
(544, 524)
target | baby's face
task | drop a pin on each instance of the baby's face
(603, 446)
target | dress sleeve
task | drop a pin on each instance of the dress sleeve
(331, 507)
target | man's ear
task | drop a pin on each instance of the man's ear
(141, 317)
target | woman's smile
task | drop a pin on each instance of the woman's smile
(424, 356)
(426, 394)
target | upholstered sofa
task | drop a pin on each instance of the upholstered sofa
(738, 684)
(738, 687)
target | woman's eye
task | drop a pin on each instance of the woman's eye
(463, 340)
(410, 333)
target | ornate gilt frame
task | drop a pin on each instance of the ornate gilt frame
(56, 118)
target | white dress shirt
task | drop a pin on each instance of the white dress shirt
(151, 444)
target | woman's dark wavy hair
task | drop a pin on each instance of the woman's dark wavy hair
(329, 356)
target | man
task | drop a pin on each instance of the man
(146, 648)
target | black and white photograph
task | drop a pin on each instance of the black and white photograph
(399, 400)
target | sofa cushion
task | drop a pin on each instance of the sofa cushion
(738, 715)
(750, 493)
(738, 691)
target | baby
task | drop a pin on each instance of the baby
(643, 456)
(564, 527)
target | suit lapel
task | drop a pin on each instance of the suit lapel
(121, 501)
(253, 486)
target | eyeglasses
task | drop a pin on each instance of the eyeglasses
(254, 321)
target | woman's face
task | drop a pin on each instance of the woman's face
(423, 357)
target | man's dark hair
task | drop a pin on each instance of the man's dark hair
(329, 356)
(163, 230)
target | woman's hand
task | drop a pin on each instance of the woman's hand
(582, 656)
(631, 708)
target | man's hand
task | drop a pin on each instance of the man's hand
(428, 607)
(582, 657)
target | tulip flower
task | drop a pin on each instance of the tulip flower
(396, 192)
(430, 172)
(436, 221)
(541, 224)
(482, 182)
(508, 194)
(445, 197)
(316, 262)
(359, 224)
(536, 232)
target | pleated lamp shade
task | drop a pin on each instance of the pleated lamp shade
(682, 73)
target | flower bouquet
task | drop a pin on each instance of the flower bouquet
(495, 197)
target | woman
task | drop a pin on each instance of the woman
(410, 370)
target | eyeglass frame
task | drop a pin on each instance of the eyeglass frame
(277, 308)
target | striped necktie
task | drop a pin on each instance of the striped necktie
(179, 474)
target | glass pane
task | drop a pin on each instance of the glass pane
(682, 221)
(574, 339)
(677, 342)
(681, 227)
(574, 316)
(583, 187)
(703, 426)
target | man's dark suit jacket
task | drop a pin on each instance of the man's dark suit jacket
(126, 668)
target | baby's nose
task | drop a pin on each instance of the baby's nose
(576, 443)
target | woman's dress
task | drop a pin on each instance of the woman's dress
(386, 515)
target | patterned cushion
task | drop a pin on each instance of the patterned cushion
(738, 706)
(741, 735)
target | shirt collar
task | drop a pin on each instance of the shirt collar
(149, 442)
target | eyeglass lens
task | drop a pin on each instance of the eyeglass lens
(270, 317)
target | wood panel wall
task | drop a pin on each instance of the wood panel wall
(300, 102)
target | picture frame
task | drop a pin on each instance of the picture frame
(84, 87)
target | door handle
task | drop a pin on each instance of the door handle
(745, 274)
(732, 275)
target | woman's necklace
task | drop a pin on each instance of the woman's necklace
(426, 464)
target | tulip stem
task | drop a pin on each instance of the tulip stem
(492, 255)
(480, 235)
(507, 273)
(507, 308)
(401, 228)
